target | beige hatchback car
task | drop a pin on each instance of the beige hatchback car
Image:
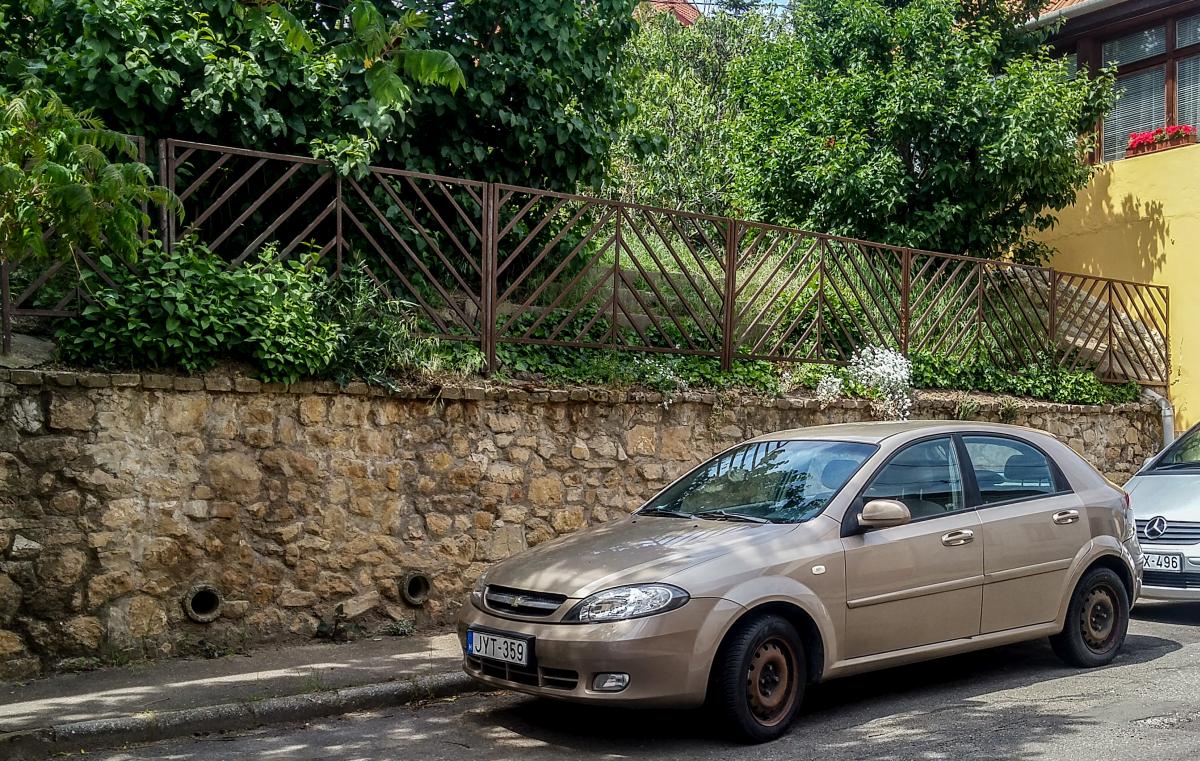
(811, 554)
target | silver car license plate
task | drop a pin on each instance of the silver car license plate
(1159, 562)
(507, 649)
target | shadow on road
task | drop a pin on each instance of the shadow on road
(932, 709)
(1181, 613)
(1009, 703)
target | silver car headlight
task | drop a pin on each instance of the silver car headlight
(477, 591)
(622, 603)
(1130, 520)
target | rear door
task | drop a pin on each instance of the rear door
(1033, 526)
(920, 583)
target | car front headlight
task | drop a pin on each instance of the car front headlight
(623, 603)
(477, 591)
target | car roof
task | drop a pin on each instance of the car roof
(874, 432)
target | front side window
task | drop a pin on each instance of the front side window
(775, 481)
(1007, 469)
(925, 477)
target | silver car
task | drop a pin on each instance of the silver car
(1165, 496)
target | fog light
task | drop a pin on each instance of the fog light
(610, 682)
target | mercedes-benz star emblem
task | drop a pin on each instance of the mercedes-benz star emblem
(1156, 527)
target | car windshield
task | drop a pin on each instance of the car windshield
(1184, 454)
(766, 481)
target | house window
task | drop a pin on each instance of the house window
(1158, 81)
(1187, 31)
(1135, 47)
(1141, 106)
(1187, 84)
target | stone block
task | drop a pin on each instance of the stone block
(24, 548)
(108, 586)
(234, 475)
(357, 606)
(506, 473)
(27, 415)
(640, 440)
(297, 598)
(71, 413)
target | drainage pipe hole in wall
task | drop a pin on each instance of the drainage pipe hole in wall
(202, 603)
(416, 587)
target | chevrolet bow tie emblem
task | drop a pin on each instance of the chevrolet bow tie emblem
(1156, 527)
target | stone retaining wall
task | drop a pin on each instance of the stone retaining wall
(120, 493)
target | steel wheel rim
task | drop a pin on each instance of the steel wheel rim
(1098, 618)
(771, 681)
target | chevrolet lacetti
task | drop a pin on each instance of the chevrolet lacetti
(805, 555)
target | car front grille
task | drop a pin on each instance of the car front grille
(555, 679)
(521, 602)
(1178, 532)
(1185, 580)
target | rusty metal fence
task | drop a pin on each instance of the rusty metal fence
(494, 264)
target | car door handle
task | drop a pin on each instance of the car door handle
(1065, 517)
(958, 538)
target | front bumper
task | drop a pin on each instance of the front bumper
(667, 656)
(1171, 585)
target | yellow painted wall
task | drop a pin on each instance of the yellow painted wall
(1140, 220)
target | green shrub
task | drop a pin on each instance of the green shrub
(1040, 379)
(375, 340)
(186, 309)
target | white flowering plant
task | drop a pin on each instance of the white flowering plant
(829, 389)
(888, 375)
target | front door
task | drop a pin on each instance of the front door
(920, 583)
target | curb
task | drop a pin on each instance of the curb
(150, 726)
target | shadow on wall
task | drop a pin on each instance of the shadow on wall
(1135, 232)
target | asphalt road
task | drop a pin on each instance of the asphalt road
(1016, 702)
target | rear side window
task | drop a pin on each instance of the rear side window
(1007, 469)
(924, 476)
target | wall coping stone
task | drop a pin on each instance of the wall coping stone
(226, 383)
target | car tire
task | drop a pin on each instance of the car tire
(1097, 620)
(758, 678)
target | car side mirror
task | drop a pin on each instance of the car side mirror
(1146, 462)
(883, 513)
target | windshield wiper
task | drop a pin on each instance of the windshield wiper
(725, 515)
(663, 511)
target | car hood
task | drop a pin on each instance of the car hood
(1173, 496)
(635, 550)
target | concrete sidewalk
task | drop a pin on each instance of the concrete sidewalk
(151, 701)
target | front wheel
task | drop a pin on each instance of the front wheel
(1097, 620)
(758, 678)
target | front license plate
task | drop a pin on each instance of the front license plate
(487, 645)
(1158, 562)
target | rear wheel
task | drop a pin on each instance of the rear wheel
(758, 679)
(1097, 620)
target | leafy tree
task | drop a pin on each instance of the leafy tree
(351, 80)
(929, 123)
(62, 172)
(277, 73)
(543, 100)
(677, 148)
